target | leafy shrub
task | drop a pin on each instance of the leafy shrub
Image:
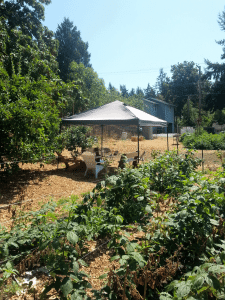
(204, 141)
(128, 193)
(75, 137)
(203, 282)
(168, 171)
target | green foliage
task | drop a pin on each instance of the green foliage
(29, 118)
(163, 85)
(57, 244)
(127, 192)
(219, 116)
(202, 282)
(215, 99)
(25, 16)
(74, 137)
(168, 171)
(205, 141)
(7, 271)
(92, 86)
(71, 48)
(189, 114)
(184, 83)
(178, 255)
(31, 95)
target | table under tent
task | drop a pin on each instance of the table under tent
(115, 113)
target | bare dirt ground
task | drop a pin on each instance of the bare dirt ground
(34, 185)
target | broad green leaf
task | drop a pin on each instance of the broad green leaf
(183, 290)
(66, 286)
(204, 288)
(198, 282)
(76, 296)
(209, 281)
(138, 257)
(131, 246)
(82, 262)
(99, 201)
(217, 269)
(115, 257)
(165, 296)
(103, 276)
(216, 283)
(72, 237)
(9, 265)
(148, 209)
(214, 222)
(75, 267)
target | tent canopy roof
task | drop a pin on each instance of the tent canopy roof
(115, 113)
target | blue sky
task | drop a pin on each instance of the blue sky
(131, 40)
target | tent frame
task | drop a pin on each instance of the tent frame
(116, 113)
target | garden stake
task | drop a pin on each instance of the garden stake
(167, 138)
(146, 278)
(124, 286)
(202, 161)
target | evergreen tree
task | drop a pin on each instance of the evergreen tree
(163, 86)
(111, 87)
(132, 92)
(71, 48)
(184, 83)
(216, 98)
(149, 92)
(139, 92)
(189, 114)
(124, 91)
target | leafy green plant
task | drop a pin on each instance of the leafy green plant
(205, 141)
(203, 282)
(75, 137)
(7, 271)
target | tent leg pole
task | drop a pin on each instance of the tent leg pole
(138, 143)
(60, 130)
(167, 136)
(102, 140)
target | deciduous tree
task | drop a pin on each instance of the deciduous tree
(26, 15)
(31, 95)
(92, 87)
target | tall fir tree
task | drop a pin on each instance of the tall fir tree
(71, 48)
(149, 92)
(216, 98)
(124, 91)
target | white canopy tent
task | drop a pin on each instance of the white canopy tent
(115, 113)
